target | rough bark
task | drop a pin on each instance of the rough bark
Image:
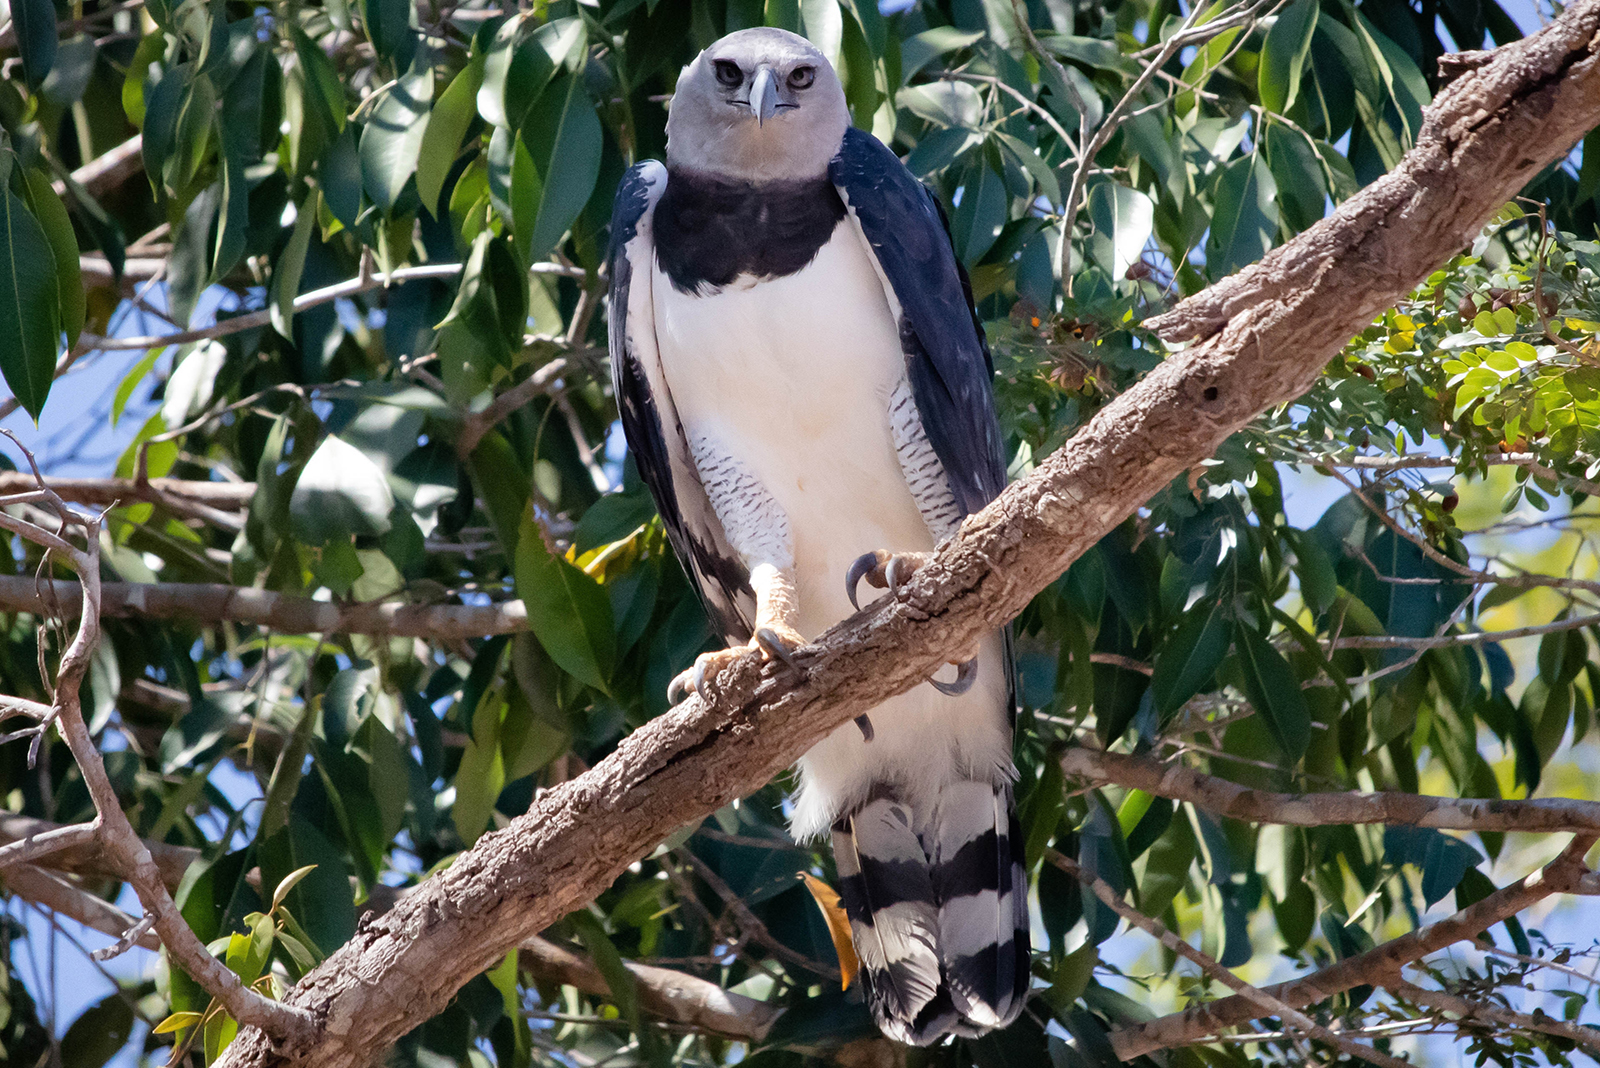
(1261, 340)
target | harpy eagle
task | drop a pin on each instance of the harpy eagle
(807, 393)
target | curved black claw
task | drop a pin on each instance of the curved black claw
(966, 675)
(865, 723)
(776, 646)
(865, 564)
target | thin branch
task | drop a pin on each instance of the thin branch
(325, 295)
(671, 995)
(89, 857)
(477, 424)
(64, 897)
(128, 857)
(1445, 641)
(1260, 998)
(218, 602)
(1543, 815)
(1376, 967)
(750, 923)
(1587, 1037)
(36, 847)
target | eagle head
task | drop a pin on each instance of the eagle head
(758, 105)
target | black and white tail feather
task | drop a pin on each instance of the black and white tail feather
(938, 911)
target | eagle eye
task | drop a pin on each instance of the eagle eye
(728, 72)
(802, 77)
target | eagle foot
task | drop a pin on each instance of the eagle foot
(966, 674)
(882, 570)
(776, 642)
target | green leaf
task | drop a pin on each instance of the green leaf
(340, 492)
(447, 125)
(392, 141)
(285, 782)
(1123, 221)
(948, 103)
(481, 775)
(388, 25)
(860, 73)
(69, 74)
(30, 316)
(100, 1032)
(1283, 55)
(1190, 658)
(291, 265)
(35, 25)
(248, 952)
(568, 611)
(918, 50)
(57, 227)
(981, 215)
(1274, 691)
(1244, 224)
(1446, 862)
(564, 138)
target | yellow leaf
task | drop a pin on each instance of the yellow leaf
(176, 1022)
(838, 926)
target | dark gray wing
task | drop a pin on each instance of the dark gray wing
(947, 356)
(650, 418)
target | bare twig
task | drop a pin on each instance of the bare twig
(1377, 967)
(128, 857)
(62, 896)
(1260, 998)
(477, 424)
(671, 995)
(1495, 1014)
(1544, 815)
(748, 921)
(325, 295)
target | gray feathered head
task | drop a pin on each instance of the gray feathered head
(758, 105)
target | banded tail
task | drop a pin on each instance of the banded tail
(938, 908)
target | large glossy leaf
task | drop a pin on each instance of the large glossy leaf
(291, 263)
(1190, 658)
(99, 1033)
(447, 125)
(1123, 221)
(568, 611)
(30, 310)
(1244, 223)
(57, 226)
(981, 214)
(392, 141)
(35, 25)
(948, 103)
(564, 140)
(1274, 691)
(1283, 55)
(341, 492)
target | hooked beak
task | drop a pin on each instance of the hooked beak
(764, 95)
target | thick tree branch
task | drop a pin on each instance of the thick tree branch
(1261, 343)
(1224, 798)
(1376, 967)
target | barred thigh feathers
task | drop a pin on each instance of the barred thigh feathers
(938, 911)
